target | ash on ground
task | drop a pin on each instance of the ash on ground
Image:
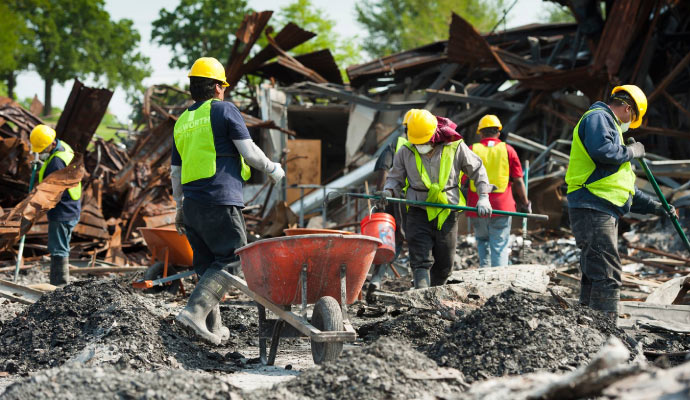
(419, 327)
(514, 333)
(78, 382)
(386, 369)
(98, 322)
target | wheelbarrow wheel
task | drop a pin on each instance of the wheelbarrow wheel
(156, 272)
(326, 317)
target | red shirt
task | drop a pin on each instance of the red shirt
(499, 201)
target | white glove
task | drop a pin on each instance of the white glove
(484, 206)
(277, 174)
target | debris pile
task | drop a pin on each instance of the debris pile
(385, 369)
(514, 333)
(418, 327)
(105, 322)
(78, 382)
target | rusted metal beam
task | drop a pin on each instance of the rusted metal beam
(670, 77)
(82, 114)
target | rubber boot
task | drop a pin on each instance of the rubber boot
(59, 270)
(585, 294)
(606, 301)
(422, 278)
(214, 323)
(206, 296)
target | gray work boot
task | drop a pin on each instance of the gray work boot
(422, 278)
(214, 323)
(206, 296)
(59, 270)
(606, 301)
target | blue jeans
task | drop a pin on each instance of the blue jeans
(59, 235)
(493, 235)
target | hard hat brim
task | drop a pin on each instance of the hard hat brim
(422, 140)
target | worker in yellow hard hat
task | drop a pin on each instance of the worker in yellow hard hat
(601, 189)
(62, 218)
(429, 168)
(505, 172)
(211, 156)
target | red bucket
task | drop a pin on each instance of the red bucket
(382, 227)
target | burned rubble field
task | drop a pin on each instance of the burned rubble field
(99, 322)
(513, 333)
(78, 382)
(384, 369)
(418, 327)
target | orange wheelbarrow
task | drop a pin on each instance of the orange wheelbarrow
(327, 270)
(170, 253)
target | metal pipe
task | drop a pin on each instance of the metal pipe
(20, 252)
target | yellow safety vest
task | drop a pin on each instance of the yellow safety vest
(495, 159)
(194, 141)
(615, 188)
(437, 194)
(67, 156)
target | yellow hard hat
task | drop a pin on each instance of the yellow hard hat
(406, 118)
(489, 121)
(640, 101)
(209, 67)
(41, 137)
(421, 125)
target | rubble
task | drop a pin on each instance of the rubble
(419, 327)
(97, 322)
(80, 382)
(514, 333)
(384, 369)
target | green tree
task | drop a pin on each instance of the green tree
(199, 28)
(397, 25)
(311, 18)
(77, 38)
(13, 45)
(554, 13)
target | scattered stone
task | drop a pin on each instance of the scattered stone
(386, 369)
(514, 333)
(78, 382)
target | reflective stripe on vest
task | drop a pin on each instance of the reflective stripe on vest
(616, 188)
(66, 156)
(437, 194)
(194, 141)
(495, 159)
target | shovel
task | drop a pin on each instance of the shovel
(20, 251)
(662, 199)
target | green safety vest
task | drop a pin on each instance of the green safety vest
(400, 143)
(194, 141)
(67, 155)
(616, 188)
(436, 192)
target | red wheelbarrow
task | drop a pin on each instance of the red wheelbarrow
(327, 270)
(168, 249)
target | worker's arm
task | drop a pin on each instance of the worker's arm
(642, 203)
(519, 191)
(253, 155)
(383, 164)
(395, 180)
(470, 163)
(176, 176)
(600, 136)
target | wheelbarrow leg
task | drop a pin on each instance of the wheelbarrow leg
(275, 339)
(262, 341)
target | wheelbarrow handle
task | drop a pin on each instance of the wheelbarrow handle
(540, 217)
(662, 199)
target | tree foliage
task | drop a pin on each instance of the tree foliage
(13, 45)
(199, 28)
(554, 13)
(77, 38)
(397, 25)
(304, 13)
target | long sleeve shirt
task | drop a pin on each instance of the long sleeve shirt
(599, 135)
(405, 167)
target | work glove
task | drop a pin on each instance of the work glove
(179, 222)
(637, 150)
(484, 205)
(661, 211)
(277, 174)
(526, 208)
(382, 202)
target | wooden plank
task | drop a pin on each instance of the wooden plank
(19, 293)
(303, 166)
(102, 270)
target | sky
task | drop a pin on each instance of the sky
(143, 13)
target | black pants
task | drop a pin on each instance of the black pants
(214, 232)
(429, 247)
(596, 234)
